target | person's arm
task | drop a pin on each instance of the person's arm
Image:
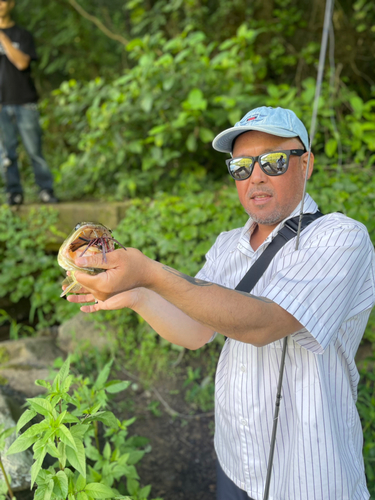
(20, 60)
(237, 315)
(165, 318)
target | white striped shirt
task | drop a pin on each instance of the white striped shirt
(329, 286)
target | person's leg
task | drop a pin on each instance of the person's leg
(226, 489)
(9, 142)
(31, 134)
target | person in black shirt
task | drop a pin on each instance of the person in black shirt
(18, 109)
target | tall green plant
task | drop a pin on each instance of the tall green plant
(68, 431)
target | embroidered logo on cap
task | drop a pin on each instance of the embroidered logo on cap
(252, 118)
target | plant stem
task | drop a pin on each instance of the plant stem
(96, 434)
(6, 479)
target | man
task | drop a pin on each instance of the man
(319, 296)
(18, 110)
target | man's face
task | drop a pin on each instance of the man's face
(269, 200)
(6, 7)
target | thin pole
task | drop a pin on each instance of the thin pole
(322, 56)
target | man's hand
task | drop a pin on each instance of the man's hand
(118, 301)
(125, 270)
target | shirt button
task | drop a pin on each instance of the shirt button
(243, 421)
(243, 369)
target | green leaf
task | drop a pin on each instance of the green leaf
(82, 496)
(44, 492)
(107, 417)
(132, 485)
(330, 147)
(41, 406)
(71, 419)
(78, 431)
(146, 103)
(107, 451)
(144, 492)
(37, 465)
(62, 453)
(52, 450)
(66, 436)
(103, 376)
(206, 135)
(8, 432)
(98, 490)
(60, 418)
(43, 383)
(191, 143)
(77, 458)
(80, 483)
(36, 429)
(196, 100)
(116, 386)
(21, 444)
(25, 418)
(60, 485)
(64, 371)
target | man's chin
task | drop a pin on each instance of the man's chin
(266, 219)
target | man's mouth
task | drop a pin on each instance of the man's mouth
(260, 198)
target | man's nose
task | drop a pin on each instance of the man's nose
(258, 176)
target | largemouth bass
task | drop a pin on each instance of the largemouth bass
(87, 238)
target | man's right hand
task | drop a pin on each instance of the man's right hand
(124, 271)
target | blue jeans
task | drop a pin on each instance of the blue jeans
(226, 489)
(22, 120)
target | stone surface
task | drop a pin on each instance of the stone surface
(81, 330)
(25, 360)
(109, 214)
(16, 466)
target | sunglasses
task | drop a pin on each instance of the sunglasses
(273, 164)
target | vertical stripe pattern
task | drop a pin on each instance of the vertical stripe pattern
(329, 286)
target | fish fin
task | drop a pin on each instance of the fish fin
(73, 285)
(67, 281)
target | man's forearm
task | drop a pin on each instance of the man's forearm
(20, 60)
(170, 322)
(237, 315)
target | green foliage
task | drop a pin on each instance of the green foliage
(15, 329)
(69, 415)
(5, 484)
(153, 126)
(28, 270)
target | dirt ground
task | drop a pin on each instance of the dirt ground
(181, 464)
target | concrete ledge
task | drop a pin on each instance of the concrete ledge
(109, 214)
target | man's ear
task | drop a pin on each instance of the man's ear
(305, 162)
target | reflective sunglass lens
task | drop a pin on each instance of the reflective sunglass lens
(274, 163)
(241, 168)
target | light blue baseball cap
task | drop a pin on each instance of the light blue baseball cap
(275, 121)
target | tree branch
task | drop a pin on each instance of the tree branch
(98, 23)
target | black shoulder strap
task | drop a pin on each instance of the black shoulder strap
(285, 234)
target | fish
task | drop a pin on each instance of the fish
(89, 238)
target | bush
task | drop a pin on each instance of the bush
(28, 270)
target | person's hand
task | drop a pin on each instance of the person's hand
(124, 270)
(118, 301)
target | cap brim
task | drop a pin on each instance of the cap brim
(223, 142)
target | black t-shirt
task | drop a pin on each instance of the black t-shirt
(17, 87)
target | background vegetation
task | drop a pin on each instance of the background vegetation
(132, 94)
